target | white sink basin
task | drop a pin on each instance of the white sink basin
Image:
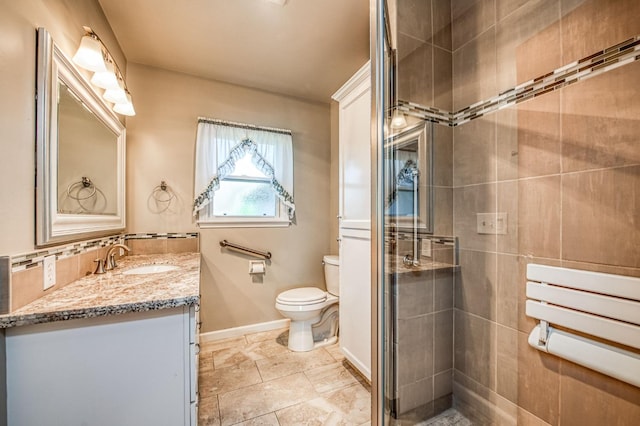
(149, 269)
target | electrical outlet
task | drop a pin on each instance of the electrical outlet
(425, 248)
(49, 271)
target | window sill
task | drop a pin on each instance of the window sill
(244, 223)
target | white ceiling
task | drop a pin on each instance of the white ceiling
(307, 49)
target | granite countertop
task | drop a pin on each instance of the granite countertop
(397, 267)
(114, 293)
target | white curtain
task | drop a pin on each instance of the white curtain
(219, 146)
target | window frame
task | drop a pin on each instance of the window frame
(206, 218)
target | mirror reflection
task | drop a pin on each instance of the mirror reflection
(87, 159)
(409, 182)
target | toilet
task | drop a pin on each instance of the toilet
(313, 312)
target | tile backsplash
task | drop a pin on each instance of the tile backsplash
(21, 276)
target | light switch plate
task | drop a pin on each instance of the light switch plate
(491, 223)
(425, 249)
(49, 271)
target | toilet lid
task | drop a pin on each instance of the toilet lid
(302, 296)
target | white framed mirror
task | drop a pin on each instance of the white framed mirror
(80, 154)
(409, 183)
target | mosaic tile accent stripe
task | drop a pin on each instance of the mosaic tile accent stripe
(32, 259)
(160, 236)
(590, 66)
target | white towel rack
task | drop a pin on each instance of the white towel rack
(601, 305)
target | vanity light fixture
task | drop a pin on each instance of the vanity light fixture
(93, 55)
(278, 2)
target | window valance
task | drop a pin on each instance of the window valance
(219, 146)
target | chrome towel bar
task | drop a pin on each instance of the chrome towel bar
(265, 254)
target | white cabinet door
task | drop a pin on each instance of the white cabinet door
(129, 369)
(355, 299)
(355, 219)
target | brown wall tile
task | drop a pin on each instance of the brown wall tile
(443, 211)
(147, 246)
(600, 124)
(588, 398)
(508, 203)
(66, 271)
(443, 289)
(415, 76)
(470, 19)
(475, 285)
(415, 348)
(505, 7)
(507, 363)
(443, 384)
(414, 18)
(443, 341)
(593, 25)
(182, 245)
(474, 70)
(467, 202)
(538, 381)
(601, 216)
(414, 294)
(508, 282)
(475, 348)
(442, 75)
(474, 152)
(26, 286)
(523, 31)
(525, 418)
(539, 136)
(540, 54)
(442, 155)
(507, 143)
(539, 216)
(441, 12)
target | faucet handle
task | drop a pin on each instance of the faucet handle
(111, 261)
(99, 266)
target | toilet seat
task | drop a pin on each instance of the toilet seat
(302, 296)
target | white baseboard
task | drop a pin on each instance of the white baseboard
(211, 336)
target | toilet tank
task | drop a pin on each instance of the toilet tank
(331, 275)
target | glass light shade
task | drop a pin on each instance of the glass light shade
(398, 120)
(89, 55)
(116, 96)
(125, 108)
(106, 79)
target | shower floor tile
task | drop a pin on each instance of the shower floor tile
(256, 380)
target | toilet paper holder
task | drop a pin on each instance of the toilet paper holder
(257, 267)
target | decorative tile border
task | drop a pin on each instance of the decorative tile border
(33, 259)
(160, 236)
(590, 66)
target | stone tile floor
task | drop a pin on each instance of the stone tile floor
(256, 380)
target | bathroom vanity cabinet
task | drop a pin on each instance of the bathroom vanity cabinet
(355, 219)
(134, 369)
(111, 349)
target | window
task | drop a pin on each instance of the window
(244, 176)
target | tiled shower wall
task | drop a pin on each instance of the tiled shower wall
(565, 167)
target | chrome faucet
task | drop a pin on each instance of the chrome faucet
(110, 258)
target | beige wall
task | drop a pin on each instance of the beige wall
(160, 146)
(18, 22)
